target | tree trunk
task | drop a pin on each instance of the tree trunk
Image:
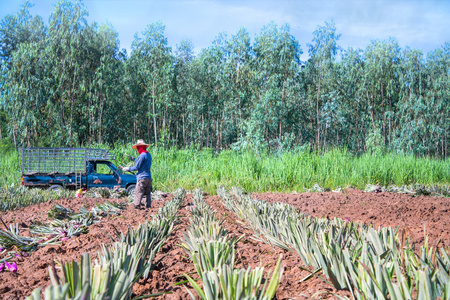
(154, 115)
(100, 122)
(90, 118)
(184, 130)
(192, 132)
(176, 137)
(217, 134)
(384, 114)
(239, 122)
(337, 134)
(445, 150)
(281, 116)
(371, 111)
(164, 122)
(317, 111)
(62, 122)
(221, 131)
(71, 105)
(202, 129)
(28, 136)
(390, 125)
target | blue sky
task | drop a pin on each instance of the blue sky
(423, 25)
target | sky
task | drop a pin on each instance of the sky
(418, 24)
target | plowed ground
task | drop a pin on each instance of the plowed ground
(416, 215)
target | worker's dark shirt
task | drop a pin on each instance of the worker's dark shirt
(142, 166)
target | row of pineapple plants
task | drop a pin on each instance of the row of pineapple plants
(14, 196)
(212, 252)
(371, 264)
(118, 267)
(64, 223)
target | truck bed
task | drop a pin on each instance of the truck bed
(35, 179)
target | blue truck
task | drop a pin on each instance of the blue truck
(73, 168)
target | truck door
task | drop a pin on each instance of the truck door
(102, 176)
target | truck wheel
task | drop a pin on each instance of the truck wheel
(55, 187)
(130, 189)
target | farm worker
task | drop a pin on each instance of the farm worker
(143, 176)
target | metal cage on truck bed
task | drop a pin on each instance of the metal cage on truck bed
(60, 160)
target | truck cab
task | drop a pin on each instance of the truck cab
(102, 173)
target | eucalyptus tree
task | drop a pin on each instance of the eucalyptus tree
(60, 87)
(210, 91)
(184, 54)
(25, 99)
(276, 64)
(412, 105)
(104, 86)
(15, 31)
(352, 117)
(125, 129)
(201, 108)
(423, 109)
(381, 84)
(438, 95)
(322, 54)
(240, 74)
(67, 40)
(3, 123)
(152, 60)
(219, 103)
(68, 84)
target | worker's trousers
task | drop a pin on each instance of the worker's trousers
(143, 188)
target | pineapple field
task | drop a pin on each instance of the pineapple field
(345, 244)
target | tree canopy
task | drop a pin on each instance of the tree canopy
(68, 84)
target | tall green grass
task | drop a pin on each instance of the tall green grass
(287, 172)
(9, 166)
(259, 172)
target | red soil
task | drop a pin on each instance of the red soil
(410, 213)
